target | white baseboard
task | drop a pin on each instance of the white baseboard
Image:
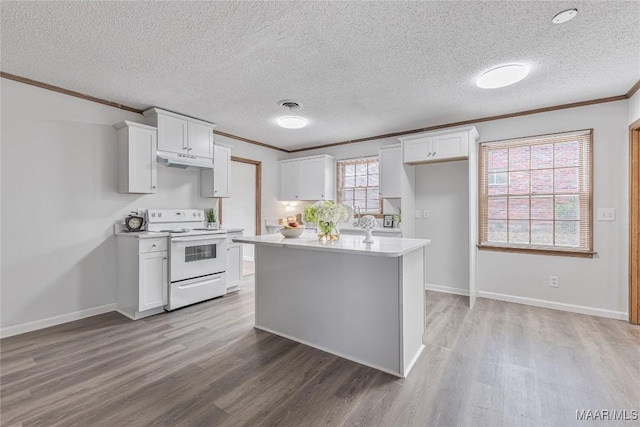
(10, 331)
(619, 315)
(446, 289)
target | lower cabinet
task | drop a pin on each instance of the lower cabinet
(143, 276)
(234, 261)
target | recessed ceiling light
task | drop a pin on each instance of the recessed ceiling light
(565, 16)
(501, 76)
(292, 122)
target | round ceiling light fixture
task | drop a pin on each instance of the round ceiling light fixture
(565, 16)
(291, 122)
(502, 76)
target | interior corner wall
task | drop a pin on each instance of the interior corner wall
(589, 285)
(634, 108)
(60, 202)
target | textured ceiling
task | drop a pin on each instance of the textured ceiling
(359, 68)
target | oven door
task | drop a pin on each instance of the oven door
(197, 256)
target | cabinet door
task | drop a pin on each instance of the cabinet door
(451, 146)
(221, 171)
(153, 280)
(200, 137)
(172, 134)
(289, 176)
(234, 265)
(311, 179)
(390, 164)
(417, 150)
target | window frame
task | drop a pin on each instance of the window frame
(587, 252)
(340, 179)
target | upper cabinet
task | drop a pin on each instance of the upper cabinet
(180, 134)
(308, 178)
(450, 144)
(217, 183)
(390, 160)
(137, 166)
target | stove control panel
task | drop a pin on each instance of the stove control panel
(174, 215)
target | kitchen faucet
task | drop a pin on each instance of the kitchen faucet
(356, 222)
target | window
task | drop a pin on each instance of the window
(535, 193)
(358, 184)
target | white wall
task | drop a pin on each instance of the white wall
(634, 107)
(598, 285)
(239, 211)
(59, 202)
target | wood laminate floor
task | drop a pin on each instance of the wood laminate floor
(205, 365)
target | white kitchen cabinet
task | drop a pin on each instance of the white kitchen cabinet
(142, 276)
(180, 134)
(217, 182)
(390, 163)
(137, 166)
(234, 261)
(308, 178)
(446, 145)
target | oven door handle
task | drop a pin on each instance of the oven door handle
(197, 238)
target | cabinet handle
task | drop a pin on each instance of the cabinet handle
(154, 186)
(322, 196)
(164, 257)
(154, 245)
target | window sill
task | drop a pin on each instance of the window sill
(536, 251)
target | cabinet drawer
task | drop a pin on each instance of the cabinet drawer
(152, 245)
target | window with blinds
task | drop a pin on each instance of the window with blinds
(536, 193)
(358, 184)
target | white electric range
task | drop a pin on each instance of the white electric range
(197, 255)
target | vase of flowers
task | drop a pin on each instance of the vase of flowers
(327, 215)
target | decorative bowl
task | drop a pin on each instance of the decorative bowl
(292, 232)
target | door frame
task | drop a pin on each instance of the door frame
(258, 165)
(634, 222)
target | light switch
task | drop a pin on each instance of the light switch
(418, 214)
(606, 214)
(426, 214)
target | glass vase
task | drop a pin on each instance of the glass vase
(328, 231)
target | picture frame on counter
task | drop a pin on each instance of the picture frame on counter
(387, 221)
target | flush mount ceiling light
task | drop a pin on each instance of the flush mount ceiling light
(291, 122)
(504, 75)
(565, 16)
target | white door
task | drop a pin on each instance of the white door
(239, 211)
(200, 137)
(451, 146)
(142, 160)
(416, 150)
(153, 280)
(221, 171)
(234, 265)
(311, 179)
(289, 180)
(390, 164)
(172, 134)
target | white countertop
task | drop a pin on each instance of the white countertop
(382, 246)
(345, 228)
(141, 234)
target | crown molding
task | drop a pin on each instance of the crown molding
(58, 89)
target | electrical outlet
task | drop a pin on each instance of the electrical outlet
(426, 214)
(554, 281)
(418, 214)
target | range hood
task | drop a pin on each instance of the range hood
(183, 161)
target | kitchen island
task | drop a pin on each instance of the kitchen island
(363, 302)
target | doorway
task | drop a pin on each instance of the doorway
(243, 208)
(634, 223)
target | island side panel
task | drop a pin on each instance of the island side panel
(345, 304)
(413, 308)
